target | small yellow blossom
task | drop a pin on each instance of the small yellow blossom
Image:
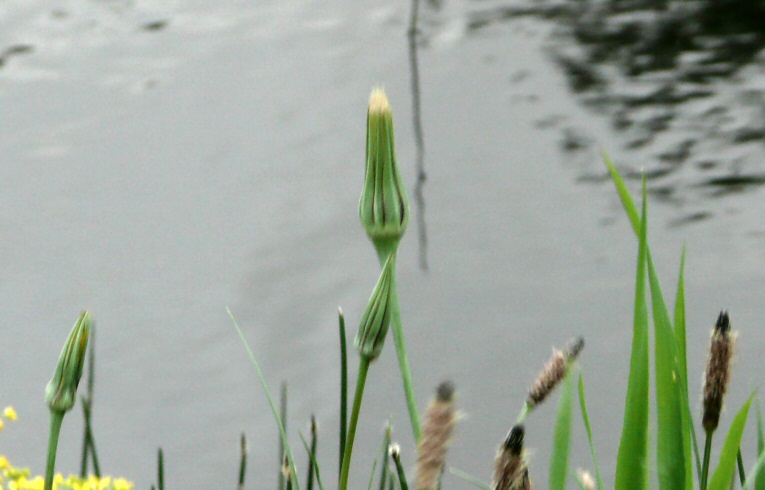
(4, 463)
(2, 425)
(10, 413)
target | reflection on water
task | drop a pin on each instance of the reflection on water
(419, 140)
(683, 83)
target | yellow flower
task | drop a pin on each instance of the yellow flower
(122, 484)
(4, 463)
(10, 413)
(2, 424)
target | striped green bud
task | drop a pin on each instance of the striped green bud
(384, 205)
(376, 318)
(62, 389)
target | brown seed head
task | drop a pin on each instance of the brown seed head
(510, 470)
(440, 419)
(717, 375)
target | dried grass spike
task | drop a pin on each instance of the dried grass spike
(440, 418)
(510, 470)
(717, 375)
(552, 374)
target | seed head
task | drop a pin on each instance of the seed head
(717, 375)
(553, 372)
(510, 469)
(440, 419)
(61, 391)
(384, 205)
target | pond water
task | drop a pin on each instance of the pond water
(164, 160)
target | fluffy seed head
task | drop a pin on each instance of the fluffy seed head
(553, 372)
(717, 374)
(440, 419)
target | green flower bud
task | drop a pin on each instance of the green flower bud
(384, 205)
(376, 318)
(62, 389)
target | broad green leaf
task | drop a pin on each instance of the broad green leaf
(632, 460)
(672, 457)
(586, 419)
(727, 465)
(271, 403)
(562, 436)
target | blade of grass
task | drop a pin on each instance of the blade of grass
(755, 473)
(384, 450)
(160, 470)
(586, 420)
(562, 437)
(759, 479)
(632, 459)
(283, 418)
(372, 474)
(271, 403)
(312, 456)
(727, 464)
(242, 460)
(689, 435)
(473, 480)
(671, 455)
(396, 456)
(343, 388)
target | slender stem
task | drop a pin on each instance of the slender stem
(360, 382)
(283, 417)
(56, 418)
(343, 389)
(705, 465)
(84, 456)
(400, 471)
(311, 455)
(383, 250)
(242, 460)
(741, 473)
(160, 469)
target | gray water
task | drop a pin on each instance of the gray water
(164, 160)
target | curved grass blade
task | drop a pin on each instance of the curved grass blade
(562, 437)
(242, 460)
(312, 455)
(283, 418)
(473, 480)
(271, 403)
(586, 419)
(632, 459)
(311, 450)
(727, 465)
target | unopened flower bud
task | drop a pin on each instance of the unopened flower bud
(440, 419)
(717, 374)
(376, 318)
(62, 389)
(384, 205)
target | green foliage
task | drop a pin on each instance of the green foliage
(727, 465)
(562, 437)
(586, 420)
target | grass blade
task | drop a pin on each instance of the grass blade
(632, 459)
(689, 435)
(727, 464)
(283, 418)
(242, 460)
(160, 469)
(271, 403)
(759, 479)
(343, 388)
(311, 450)
(562, 436)
(312, 455)
(586, 419)
(473, 480)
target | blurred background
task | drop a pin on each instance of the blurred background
(160, 161)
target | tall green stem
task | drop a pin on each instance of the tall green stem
(360, 382)
(705, 464)
(56, 418)
(400, 343)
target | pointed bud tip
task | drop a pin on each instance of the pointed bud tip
(723, 322)
(445, 391)
(514, 441)
(378, 101)
(394, 450)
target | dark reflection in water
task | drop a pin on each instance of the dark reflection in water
(682, 82)
(419, 139)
